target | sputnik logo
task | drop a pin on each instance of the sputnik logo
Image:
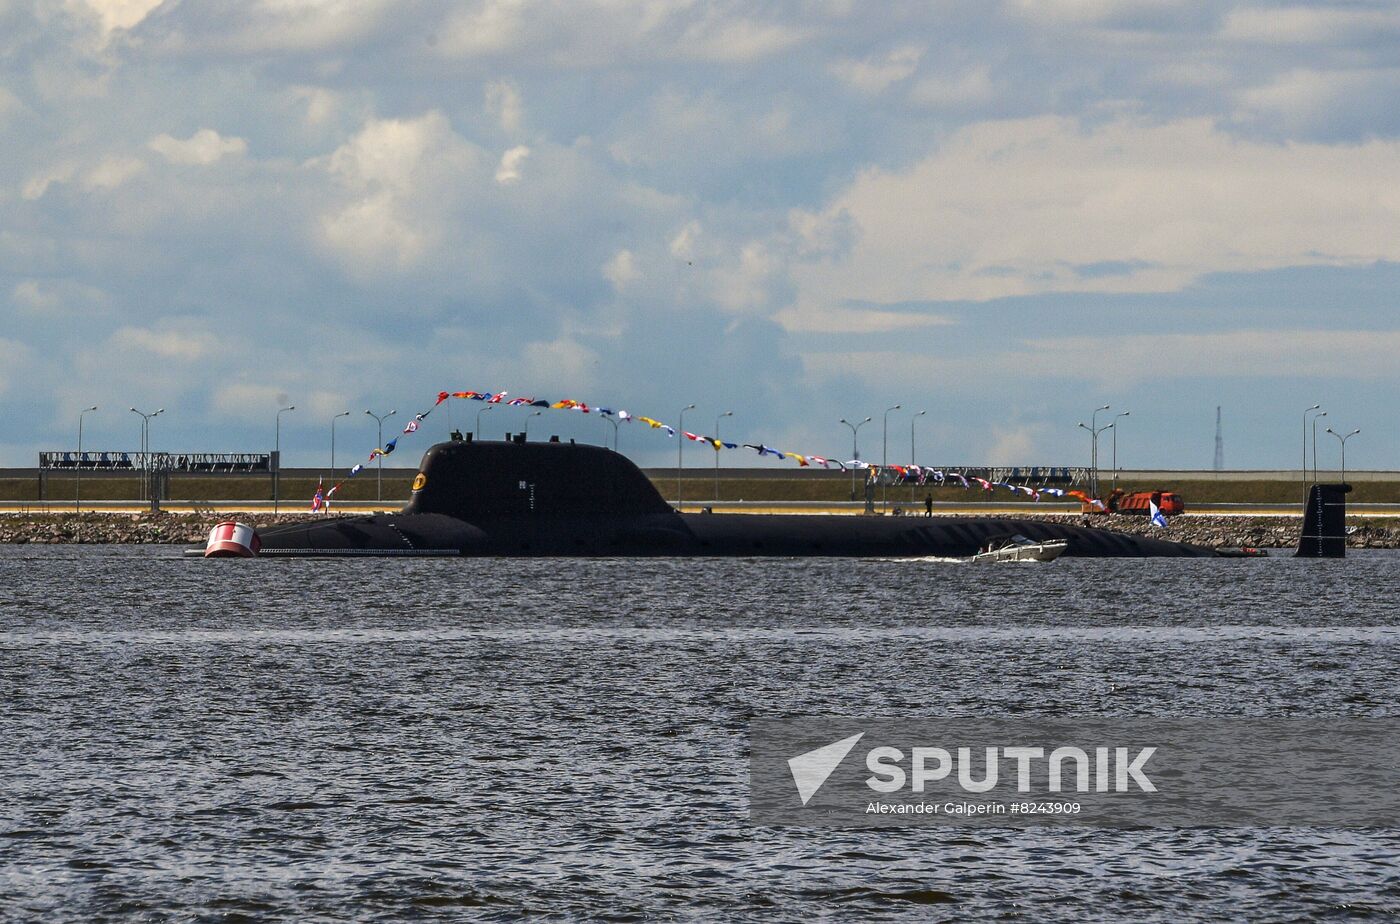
(811, 770)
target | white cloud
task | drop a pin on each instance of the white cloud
(1302, 25)
(204, 147)
(1129, 359)
(682, 246)
(106, 174)
(13, 357)
(599, 33)
(1308, 100)
(403, 178)
(38, 184)
(267, 26)
(59, 298)
(1292, 354)
(873, 75)
(503, 101)
(172, 345)
(112, 172)
(621, 269)
(248, 401)
(321, 104)
(117, 14)
(9, 104)
(1045, 205)
(838, 320)
(511, 161)
(1098, 12)
(1013, 445)
(970, 88)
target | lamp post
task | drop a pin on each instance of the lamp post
(680, 445)
(1114, 427)
(1094, 455)
(1094, 427)
(912, 460)
(145, 447)
(609, 419)
(482, 410)
(1314, 429)
(716, 449)
(78, 489)
(333, 420)
(379, 445)
(277, 454)
(1343, 440)
(527, 423)
(855, 449)
(1304, 470)
(885, 459)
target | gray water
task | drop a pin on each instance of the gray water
(389, 739)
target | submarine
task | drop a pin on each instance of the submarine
(519, 499)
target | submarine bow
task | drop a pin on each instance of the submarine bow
(554, 499)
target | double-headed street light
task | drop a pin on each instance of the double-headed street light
(855, 449)
(78, 489)
(1343, 440)
(379, 473)
(716, 449)
(1094, 454)
(527, 423)
(277, 454)
(146, 447)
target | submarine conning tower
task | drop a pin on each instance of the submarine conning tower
(481, 480)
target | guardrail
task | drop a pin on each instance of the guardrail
(798, 507)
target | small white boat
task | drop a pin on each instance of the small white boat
(1019, 548)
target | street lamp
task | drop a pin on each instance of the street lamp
(482, 410)
(716, 448)
(1114, 427)
(527, 423)
(1343, 440)
(1314, 429)
(608, 419)
(1304, 470)
(680, 445)
(333, 420)
(379, 445)
(912, 460)
(885, 459)
(146, 446)
(78, 490)
(277, 454)
(855, 449)
(1094, 425)
(1094, 454)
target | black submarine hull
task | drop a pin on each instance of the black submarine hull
(560, 499)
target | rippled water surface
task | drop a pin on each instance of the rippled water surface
(384, 739)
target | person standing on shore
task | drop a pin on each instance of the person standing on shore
(928, 504)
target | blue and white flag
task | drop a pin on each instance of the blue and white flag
(1158, 518)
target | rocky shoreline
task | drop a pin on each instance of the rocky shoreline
(192, 528)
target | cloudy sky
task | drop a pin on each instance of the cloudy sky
(1005, 212)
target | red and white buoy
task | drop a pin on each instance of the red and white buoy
(232, 540)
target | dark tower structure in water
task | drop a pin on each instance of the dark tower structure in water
(1219, 443)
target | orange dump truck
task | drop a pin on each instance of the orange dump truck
(1140, 504)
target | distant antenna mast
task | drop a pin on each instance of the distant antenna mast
(1219, 443)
